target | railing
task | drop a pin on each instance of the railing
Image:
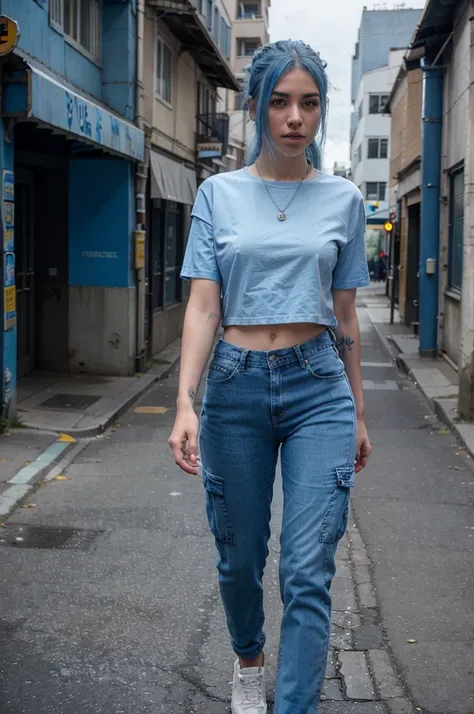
(213, 128)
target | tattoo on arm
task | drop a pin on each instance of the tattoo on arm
(213, 316)
(343, 343)
(192, 394)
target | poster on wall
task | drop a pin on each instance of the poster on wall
(8, 240)
(8, 186)
(9, 214)
(9, 292)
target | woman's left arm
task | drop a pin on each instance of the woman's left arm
(348, 342)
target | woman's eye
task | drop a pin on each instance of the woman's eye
(311, 103)
(277, 103)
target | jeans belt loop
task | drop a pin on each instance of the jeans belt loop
(299, 354)
(243, 360)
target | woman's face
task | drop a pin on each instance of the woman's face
(294, 113)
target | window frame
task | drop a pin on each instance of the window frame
(382, 100)
(57, 19)
(453, 284)
(381, 140)
(158, 80)
(381, 194)
(242, 42)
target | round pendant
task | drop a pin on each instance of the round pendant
(281, 216)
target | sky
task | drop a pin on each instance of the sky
(331, 27)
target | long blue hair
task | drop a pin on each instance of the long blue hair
(268, 66)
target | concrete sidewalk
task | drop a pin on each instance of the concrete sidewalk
(436, 378)
(85, 405)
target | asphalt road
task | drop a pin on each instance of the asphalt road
(133, 623)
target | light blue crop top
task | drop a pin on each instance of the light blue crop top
(277, 272)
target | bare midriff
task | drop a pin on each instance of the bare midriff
(271, 337)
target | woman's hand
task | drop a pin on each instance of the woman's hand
(363, 446)
(184, 438)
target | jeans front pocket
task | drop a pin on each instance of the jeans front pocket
(325, 364)
(216, 508)
(337, 514)
(222, 369)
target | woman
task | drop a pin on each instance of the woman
(284, 244)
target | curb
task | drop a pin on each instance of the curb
(118, 405)
(440, 408)
(387, 682)
(19, 489)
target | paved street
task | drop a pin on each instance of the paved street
(125, 617)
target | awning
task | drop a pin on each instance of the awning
(171, 180)
(47, 98)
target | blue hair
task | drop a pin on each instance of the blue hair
(268, 66)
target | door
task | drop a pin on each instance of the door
(25, 274)
(413, 259)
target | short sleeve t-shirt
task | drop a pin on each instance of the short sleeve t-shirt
(277, 272)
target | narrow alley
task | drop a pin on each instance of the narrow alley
(123, 614)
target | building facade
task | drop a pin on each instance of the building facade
(69, 149)
(188, 46)
(375, 65)
(405, 108)
(443, 46)
(250, 31)
(110, 121)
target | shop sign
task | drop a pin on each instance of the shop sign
(9, 35)
(210, 150)
(59, 106)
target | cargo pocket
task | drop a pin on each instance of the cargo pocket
(216, 508)
(337, 514)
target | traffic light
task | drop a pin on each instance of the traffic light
(388, 226)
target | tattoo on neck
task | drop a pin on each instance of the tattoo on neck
(191, 393)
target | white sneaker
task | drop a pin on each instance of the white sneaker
(248, 693)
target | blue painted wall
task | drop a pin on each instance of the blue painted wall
(100, 246)
(7, 339)
(113, 79)
(380, 31)
(48, 46)
(119, 52)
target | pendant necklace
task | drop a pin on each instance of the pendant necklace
(282, 211)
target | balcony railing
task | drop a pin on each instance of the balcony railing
(212, 135)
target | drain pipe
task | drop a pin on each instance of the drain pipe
(140, 199)
(433, 82)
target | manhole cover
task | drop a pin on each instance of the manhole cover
(76, 402)
(49, 538)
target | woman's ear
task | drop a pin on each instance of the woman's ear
(252, 107)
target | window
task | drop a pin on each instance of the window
(360, 111)
(377, 103)
(209, 15)
(248, 11)
(376, 191)
(164, 71)
(167, 241)
(358, 155)
(216, 26)
(456, 229)
(80, 22)
(377, 149)
(247, 48)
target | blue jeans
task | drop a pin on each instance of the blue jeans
(297, 401)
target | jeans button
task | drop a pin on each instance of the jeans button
(272, 358)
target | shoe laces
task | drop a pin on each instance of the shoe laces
(252, 689)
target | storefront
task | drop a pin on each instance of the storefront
(68, 200)
(172, 194)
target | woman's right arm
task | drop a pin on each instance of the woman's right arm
(201, 321)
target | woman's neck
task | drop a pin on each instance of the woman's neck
(281, 168)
